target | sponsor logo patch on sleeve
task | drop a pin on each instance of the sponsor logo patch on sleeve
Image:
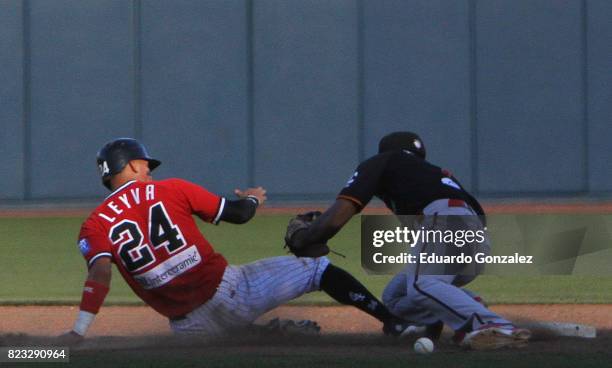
(84, 246)
(352, 179)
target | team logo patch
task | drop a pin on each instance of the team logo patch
(84, 246)
(352, 179)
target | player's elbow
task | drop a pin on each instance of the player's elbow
(239, 211)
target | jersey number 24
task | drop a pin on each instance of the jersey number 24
(134, 253)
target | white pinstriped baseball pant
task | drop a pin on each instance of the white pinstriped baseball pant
(248, 291)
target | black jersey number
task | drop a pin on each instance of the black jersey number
(134, 253)
(162, 232)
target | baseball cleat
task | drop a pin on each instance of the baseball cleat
(493, 336)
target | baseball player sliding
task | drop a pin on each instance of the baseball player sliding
(409, 185)
(146, 229)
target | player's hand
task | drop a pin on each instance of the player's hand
(259, 193)
(301, 223)
(69, 339)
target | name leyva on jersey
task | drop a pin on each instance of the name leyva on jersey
(126, 200)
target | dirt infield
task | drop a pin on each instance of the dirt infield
(138, 337)
(141, 321)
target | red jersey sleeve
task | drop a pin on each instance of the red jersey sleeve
(93, 243)
(208, 206)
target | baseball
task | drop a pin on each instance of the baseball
(423, 346)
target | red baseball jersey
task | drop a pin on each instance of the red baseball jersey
(148, 230)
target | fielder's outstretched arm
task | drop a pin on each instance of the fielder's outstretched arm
(95, 290)
(328, 224)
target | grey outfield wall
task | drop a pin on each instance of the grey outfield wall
(515, 96)
(81, 90)
(530, 96)
(11, 101)
(599, 93)
(194, 89)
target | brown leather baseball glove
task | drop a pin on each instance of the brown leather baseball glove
(299, 223)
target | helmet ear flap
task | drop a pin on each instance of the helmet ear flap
(107, 183)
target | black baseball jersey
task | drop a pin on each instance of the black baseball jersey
(405, 182)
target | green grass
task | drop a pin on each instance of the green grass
(40, 263)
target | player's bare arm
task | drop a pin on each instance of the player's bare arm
(327, 225)
(356, 194)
